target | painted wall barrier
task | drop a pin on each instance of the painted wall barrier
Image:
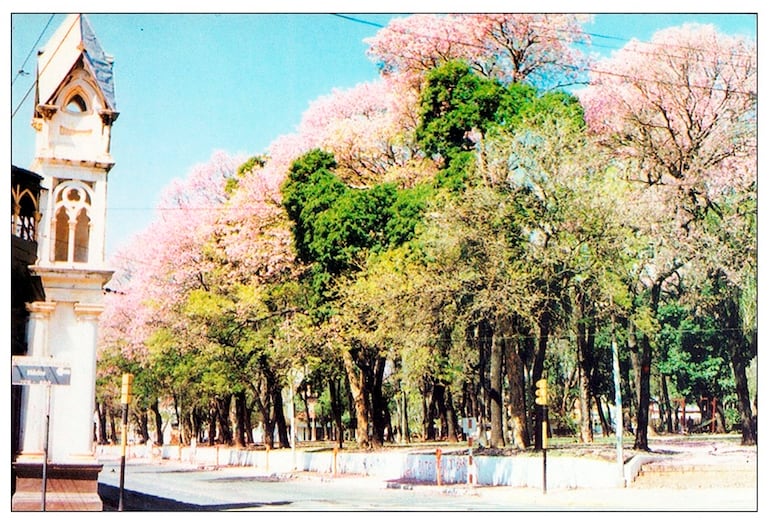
(524, 471)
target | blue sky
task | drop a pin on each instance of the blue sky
(188, 85)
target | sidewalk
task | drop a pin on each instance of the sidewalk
(178, 487)
(680, 474)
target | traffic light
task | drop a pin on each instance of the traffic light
(541, 392)
(127, 392)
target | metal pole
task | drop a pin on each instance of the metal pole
(45, 445)
(125, 399)
(544, 413)
(123, 442)
(618, 407)
(293, 433)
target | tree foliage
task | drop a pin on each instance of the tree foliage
(426, 246)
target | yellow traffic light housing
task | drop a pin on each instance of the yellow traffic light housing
(126, 392)
(541, 392)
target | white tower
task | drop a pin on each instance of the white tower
(74, 113)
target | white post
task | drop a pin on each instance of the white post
(618, 407)
(293, 433)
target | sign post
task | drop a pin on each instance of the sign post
(29, 370)
(126, 392)
(469, 428)
(541, 399)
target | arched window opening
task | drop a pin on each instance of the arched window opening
(72, 222)
(82, 228)
(76, 105)
(25, 216)
(62, 227)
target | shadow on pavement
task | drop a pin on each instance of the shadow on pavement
(133, 501)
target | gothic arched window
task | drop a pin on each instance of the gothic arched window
(76, 104)
(71, 222)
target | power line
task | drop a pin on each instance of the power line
(358, 20)
(21, 70)
(45, 66)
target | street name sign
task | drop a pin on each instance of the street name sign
(29, 370)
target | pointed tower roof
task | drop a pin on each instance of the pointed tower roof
(73, 40)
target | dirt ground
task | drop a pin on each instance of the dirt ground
(701, 462)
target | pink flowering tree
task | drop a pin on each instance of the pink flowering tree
(154, 274)
(680, 112)
(514, 47)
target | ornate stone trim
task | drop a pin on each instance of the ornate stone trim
(88, 311)
(41, 307)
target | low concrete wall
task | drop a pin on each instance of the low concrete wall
(522, 471)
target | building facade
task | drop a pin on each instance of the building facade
(73, 117)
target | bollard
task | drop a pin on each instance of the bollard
(267, 458)
(334, 461)
(438, 467)
(471, 469)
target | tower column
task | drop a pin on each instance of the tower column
(33, 397)
(83, 385)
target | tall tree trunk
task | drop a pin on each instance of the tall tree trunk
(644, 366)
(357, 381)
(264, 403)
(748, 424)
(379, 404)
(223, 414)
(428, 429)
(438, 408)
(496, 437)
(584, 327)
(212, 422)
(666, 405)
(405, 433)
(643, 389)
(740, 350)
(719, 417)
(336, 406)
(606, 430)
(240, 417)
(303, 395)
(113, 427)
(155, 407)
(451, 416)
(280, 417)
(584, 385)
(248, 424)
(515, 369)
(142, 420)
(102, 424)
(586, 429)
(482, 334)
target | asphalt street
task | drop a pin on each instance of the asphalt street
(170, 486)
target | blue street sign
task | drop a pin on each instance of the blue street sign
(27, 370)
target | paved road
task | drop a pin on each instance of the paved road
(170, 486)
